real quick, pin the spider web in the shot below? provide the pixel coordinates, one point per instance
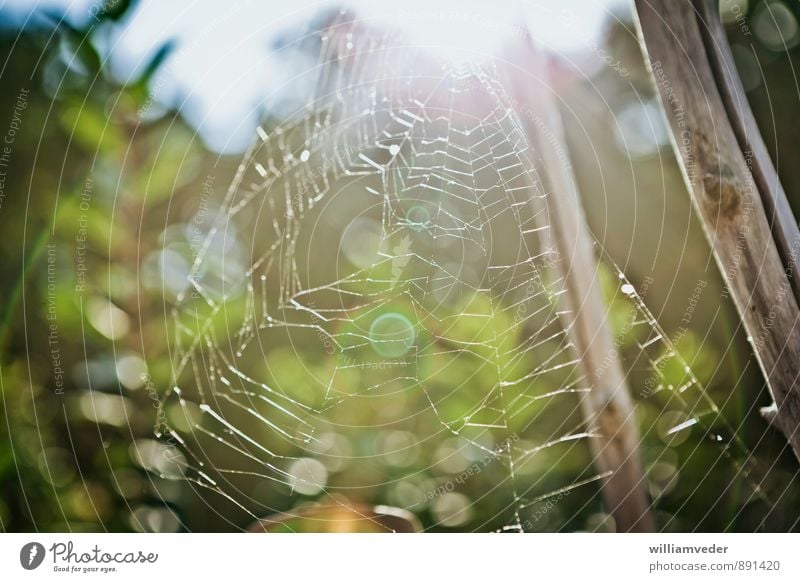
(373, 309)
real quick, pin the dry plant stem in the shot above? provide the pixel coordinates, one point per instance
(734, 187)
(607, 405)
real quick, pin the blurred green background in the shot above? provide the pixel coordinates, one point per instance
(101, 170)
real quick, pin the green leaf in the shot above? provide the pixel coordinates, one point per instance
(77, 50)
(90, 128)
(157, 61)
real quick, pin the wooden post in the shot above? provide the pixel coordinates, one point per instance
(607, 405)
(734, 187)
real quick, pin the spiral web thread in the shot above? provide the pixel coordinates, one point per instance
(407, 188)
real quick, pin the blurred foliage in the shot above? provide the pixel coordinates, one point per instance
(99, 180)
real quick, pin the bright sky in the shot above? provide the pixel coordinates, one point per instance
(223, 66)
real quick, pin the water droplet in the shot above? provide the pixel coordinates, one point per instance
(305, 155)
(394, 149)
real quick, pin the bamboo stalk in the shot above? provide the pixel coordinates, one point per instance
(734, 187)
(607, 405)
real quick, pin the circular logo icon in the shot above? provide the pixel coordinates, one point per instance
(31, 555)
